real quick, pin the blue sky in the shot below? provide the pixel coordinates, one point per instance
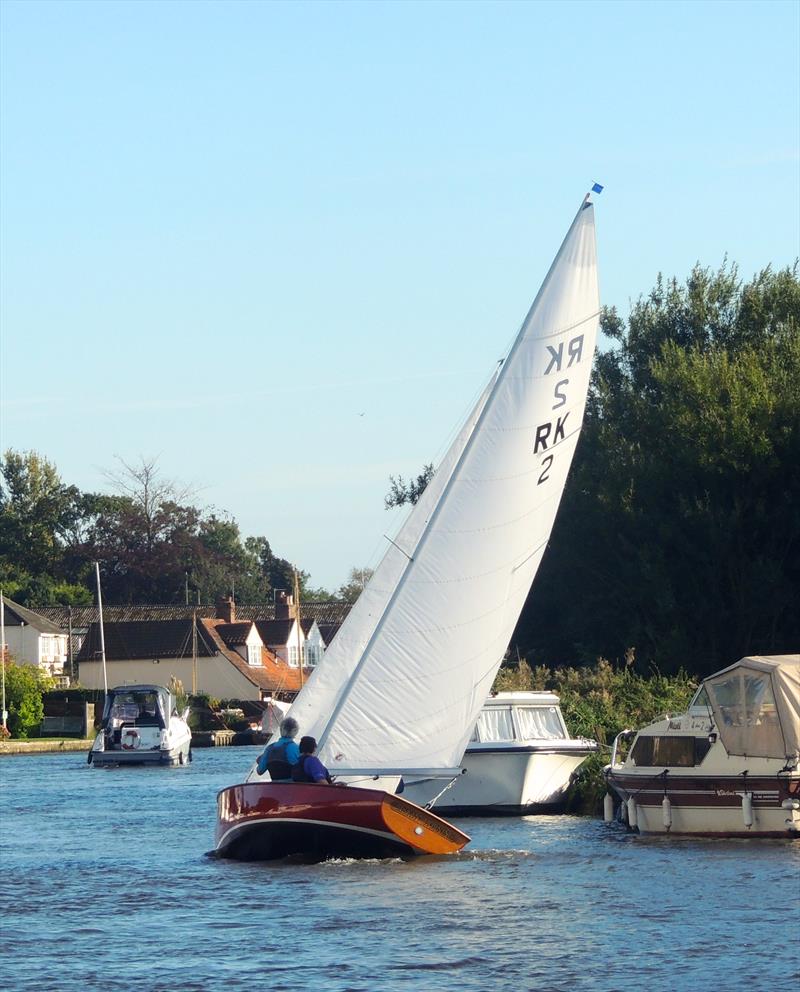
(280, 246)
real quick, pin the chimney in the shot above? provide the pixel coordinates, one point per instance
(284, 606)
(226, 610)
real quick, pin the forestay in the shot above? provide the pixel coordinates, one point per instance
(403, 682)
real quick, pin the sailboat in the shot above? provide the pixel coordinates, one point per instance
(400, 688)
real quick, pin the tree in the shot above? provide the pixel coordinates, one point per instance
(37, 512)
(356, 581)
(678, 532)
(402, 492)
(24, 687)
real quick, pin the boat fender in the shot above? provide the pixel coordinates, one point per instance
(747, 809)
(666, 812)
(608, 808)
(130, 740)
(632, 813)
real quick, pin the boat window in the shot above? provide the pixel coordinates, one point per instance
(538, 723)
(678, 752)
(700, 700)
(748, 718)
(495, 725)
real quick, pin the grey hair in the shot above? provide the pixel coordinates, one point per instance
(289, 727)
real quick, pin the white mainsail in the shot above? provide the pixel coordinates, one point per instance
(402, 684)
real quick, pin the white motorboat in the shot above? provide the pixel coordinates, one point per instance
(141, 726)
(520, 760)
(729, 766)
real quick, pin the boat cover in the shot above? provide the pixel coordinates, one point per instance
(756, 705)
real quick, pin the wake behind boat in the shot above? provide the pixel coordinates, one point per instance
(400, 688)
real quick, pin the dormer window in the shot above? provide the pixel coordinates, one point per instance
(254, 654)
(293, 656)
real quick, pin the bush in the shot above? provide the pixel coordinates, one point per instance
(24, 688)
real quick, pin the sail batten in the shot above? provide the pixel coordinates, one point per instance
(403, 682)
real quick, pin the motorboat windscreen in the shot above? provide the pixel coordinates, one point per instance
(520, 723)
(139, 705)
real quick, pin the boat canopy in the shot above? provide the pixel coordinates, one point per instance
(137, 704)
(756, 705)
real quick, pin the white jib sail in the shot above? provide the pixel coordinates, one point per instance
(403, 682)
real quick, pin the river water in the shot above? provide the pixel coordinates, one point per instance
(106, 885)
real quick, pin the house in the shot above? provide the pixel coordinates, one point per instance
(219, 655)
(290, 639)
(32, 639)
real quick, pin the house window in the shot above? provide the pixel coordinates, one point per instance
(312, 655)
(253, 654)
(292, 656)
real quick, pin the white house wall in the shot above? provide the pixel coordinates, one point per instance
(216, 676)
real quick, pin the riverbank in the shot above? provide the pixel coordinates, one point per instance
(45, 745)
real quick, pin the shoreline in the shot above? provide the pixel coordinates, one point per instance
(49, 745)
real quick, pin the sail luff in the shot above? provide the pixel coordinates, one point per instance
(453, 474)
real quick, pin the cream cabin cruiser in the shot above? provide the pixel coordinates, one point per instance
(728, 766)
(520, 759)
(141, 726)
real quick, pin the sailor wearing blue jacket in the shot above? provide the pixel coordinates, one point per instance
(279, 756)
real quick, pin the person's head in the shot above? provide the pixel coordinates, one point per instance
(307, 745)
(289, 727)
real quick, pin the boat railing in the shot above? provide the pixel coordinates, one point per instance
(621, 736)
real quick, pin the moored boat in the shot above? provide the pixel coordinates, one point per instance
(400, 688)
(729, 766)
(141, 726)
(520, 760)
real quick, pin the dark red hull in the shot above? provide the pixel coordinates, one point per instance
(262, 821)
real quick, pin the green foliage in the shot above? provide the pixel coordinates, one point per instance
(24, 687)
(352, 589)
(598, 702)
(678, 531)
(402, 492)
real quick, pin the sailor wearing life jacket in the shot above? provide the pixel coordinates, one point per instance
(281, 755)
(309, 768)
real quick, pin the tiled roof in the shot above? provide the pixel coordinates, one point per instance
(129, 640)
(83, 616)
(16, 615)
(235, 633)
(145, 639)
(274, 676)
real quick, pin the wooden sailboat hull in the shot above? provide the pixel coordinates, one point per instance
(263, 821)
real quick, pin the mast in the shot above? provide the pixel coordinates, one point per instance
(3, 657)
(436, 510)
(296, 592)
(194, 652)
(102, 630)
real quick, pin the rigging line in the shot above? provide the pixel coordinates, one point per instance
(439, 795)
(466, 449)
